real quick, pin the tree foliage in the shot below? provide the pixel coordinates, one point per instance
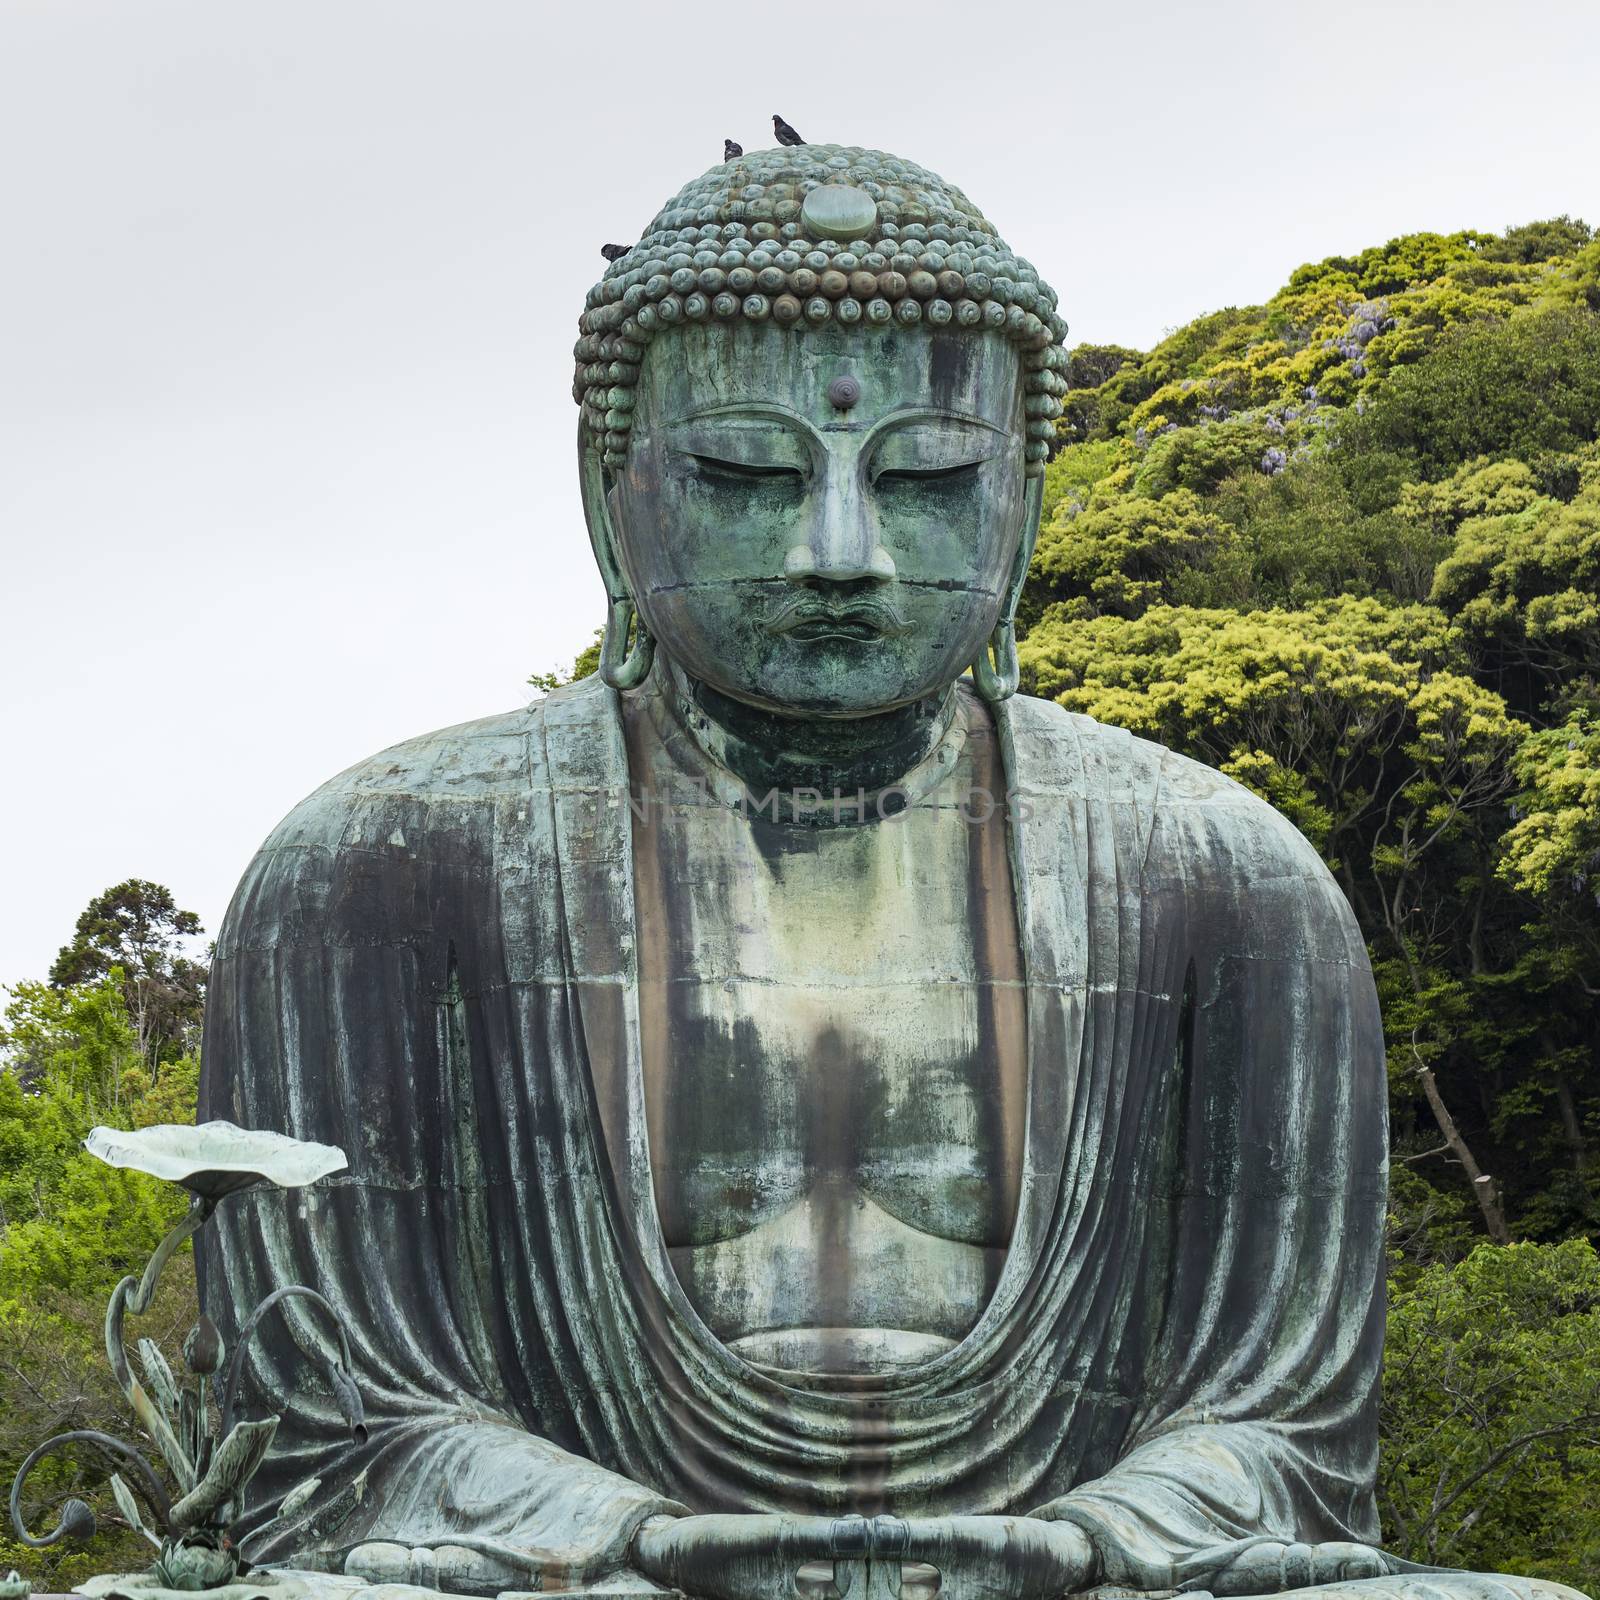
(135, 928)
(1346, 547)
(73, 1054)
(587, 660)
(1491, 1413)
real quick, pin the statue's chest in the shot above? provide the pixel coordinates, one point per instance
(847, 1033)
(833, 1053)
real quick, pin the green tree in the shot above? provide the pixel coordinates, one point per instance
(1523, 587)
(70, 1227)
(1540, 241)
(71, 1060)
(135, 927)
(587, 661)
(1343, 546)
(1491, 1414)
(1125, 552)
(1522, 387)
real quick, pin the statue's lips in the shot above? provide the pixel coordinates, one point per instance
(808, 618)
(835, 628)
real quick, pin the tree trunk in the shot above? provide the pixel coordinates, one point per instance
(1483, 1186)
(1572, 1125)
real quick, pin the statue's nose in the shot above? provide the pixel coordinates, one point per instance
(842, 546)
(805, 563)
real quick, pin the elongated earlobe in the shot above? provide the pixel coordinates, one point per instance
(625, 666)
(627, 650)
(997, 671)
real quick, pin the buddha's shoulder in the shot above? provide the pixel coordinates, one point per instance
(1184, 804)
(431, 781)
(1067, 750)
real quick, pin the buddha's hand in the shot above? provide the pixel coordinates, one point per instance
(731, 1557)
(1268, 1566)
(998, 1558)
(758, 1557)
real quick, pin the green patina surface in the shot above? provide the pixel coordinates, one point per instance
(761, 1155)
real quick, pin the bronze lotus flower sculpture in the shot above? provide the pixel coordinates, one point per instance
(210, 1464)
(213, 1159)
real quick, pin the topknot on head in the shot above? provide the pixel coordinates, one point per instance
(752, 238)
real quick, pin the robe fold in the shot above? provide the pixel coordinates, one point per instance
(429, 955)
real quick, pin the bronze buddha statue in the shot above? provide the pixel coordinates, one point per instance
(805, 1103)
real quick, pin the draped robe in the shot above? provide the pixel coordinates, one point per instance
(1183, 1348)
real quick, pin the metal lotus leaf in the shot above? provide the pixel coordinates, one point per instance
(151, 1585)
(216, 1158)
(129, 1507)
(232, 1467)
(298, 1496)
(159, 1376)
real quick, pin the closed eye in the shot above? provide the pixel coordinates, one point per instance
(742, 471)
(893, 475)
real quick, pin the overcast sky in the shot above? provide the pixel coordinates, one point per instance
(288, 292)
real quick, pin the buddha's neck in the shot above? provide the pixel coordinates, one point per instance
(831, 756)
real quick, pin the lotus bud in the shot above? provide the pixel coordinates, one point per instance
(203, 1349)
(197, 1562)
(77, 1520)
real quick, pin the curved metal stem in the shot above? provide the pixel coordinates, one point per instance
(247, 1332)
(135, 1295)
(150, 1485)
(200, 1208)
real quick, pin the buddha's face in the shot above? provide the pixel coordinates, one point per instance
(815, 546)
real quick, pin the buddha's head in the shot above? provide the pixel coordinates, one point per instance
(817, 397)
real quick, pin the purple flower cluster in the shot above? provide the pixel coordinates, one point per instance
(1367, 321)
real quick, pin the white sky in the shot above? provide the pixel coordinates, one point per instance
(288, 292)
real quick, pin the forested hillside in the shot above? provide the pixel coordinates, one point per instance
(1346, 547)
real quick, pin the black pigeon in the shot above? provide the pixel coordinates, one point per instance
(612, 251)
(730, 149)
(786, 134)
